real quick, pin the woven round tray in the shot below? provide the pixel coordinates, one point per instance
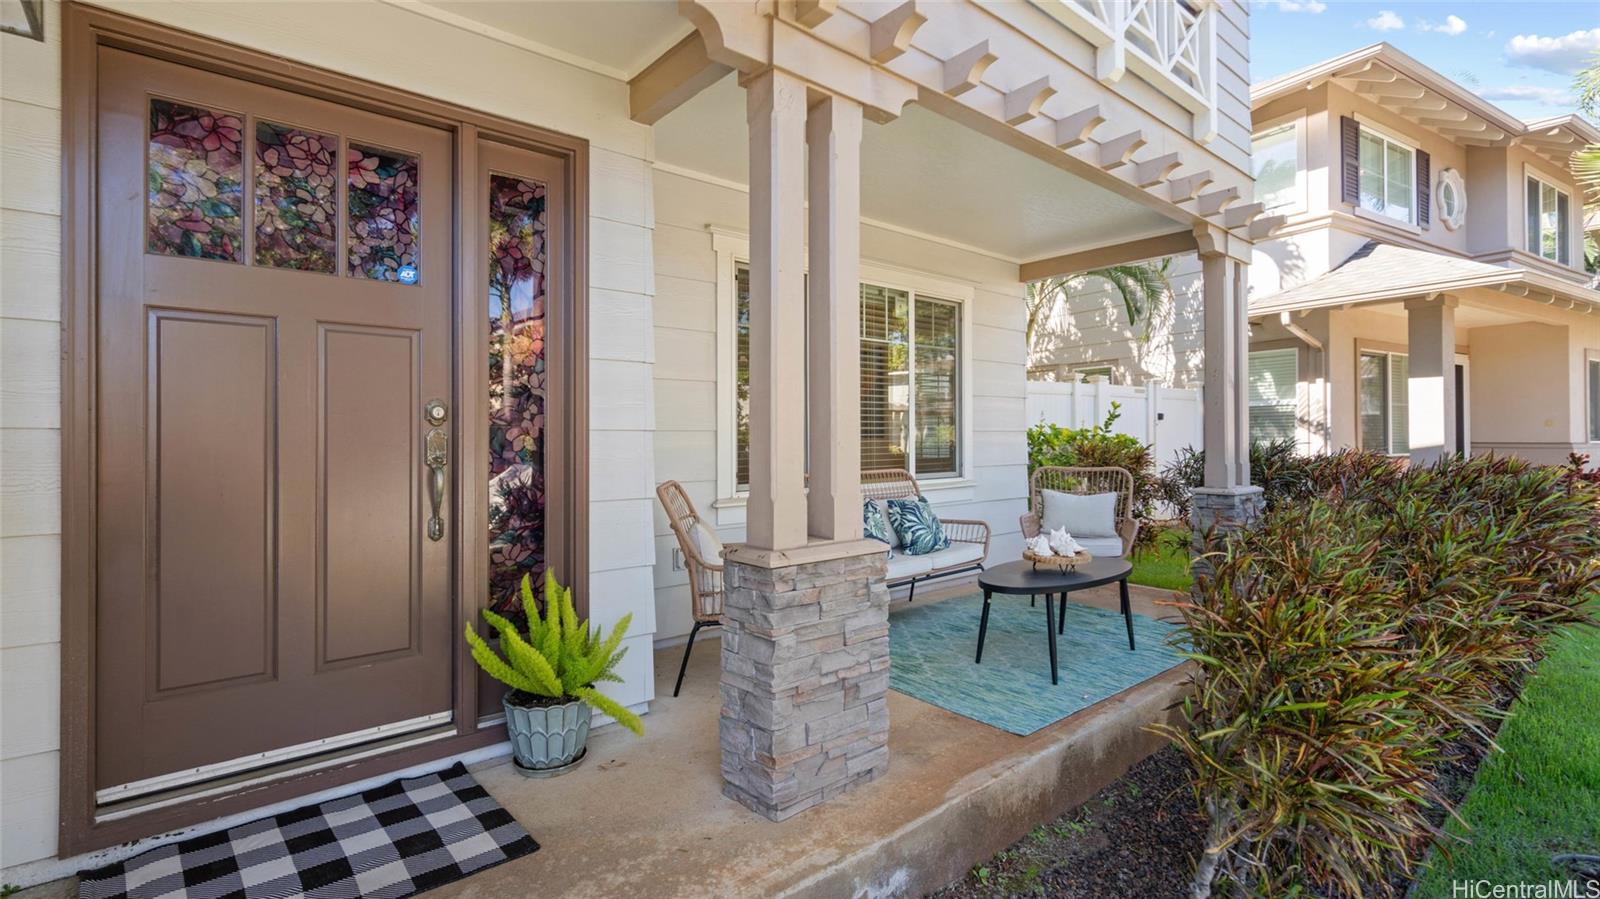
(1059, 563)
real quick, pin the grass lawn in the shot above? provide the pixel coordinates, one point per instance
(1165, 564)
(1542, 794)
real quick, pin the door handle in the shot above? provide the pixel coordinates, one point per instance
(436, 455)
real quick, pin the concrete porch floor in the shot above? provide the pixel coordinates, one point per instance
(646, 817)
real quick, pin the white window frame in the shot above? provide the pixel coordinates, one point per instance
(1297, 203)
(1388, 394)
(1293, 401)
(732, 249)
(1411, 149)
(1092, 369)
(1591, 363)
(1562, 246)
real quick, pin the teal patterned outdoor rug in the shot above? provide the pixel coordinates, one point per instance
(931, 647)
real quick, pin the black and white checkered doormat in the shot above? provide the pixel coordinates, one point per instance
(398, 839)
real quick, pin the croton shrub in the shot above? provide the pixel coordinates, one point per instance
(1353, 636)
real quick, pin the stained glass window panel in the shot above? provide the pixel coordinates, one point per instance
(295, 202)
(385, 228)
(517, 398)
(195, 186)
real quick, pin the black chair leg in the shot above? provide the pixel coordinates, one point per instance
(687, 648)
(913, 594)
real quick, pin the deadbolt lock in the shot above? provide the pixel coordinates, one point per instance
(435, 412)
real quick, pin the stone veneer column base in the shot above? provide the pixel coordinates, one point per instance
(805, 673)
(1219, 511)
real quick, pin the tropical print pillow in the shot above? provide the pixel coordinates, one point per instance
(919, 529)
(873, 524)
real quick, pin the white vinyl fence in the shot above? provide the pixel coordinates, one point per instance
(1169, 417)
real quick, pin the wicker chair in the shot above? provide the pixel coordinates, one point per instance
(896, 483)
(1084, 482)
(705, 575)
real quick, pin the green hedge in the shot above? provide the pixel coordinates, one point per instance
(1348, 638)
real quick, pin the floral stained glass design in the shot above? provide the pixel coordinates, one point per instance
(385, 229)
(295, 204)
(195, 182)
(517, 260)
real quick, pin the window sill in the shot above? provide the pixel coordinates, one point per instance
(934, 485)
(1381, 219)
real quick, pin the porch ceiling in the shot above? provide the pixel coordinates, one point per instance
(618, 37)
(928, 174)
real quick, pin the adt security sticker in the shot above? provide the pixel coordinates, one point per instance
(408, 274)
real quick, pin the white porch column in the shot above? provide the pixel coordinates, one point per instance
(776, 112)
(1227, 501)
(1431, 381)
(1227, 359)
(805, 638)
(833, 138)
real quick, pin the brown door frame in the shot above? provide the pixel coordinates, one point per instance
(84, 31)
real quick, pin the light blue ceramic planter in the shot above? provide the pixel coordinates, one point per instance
(550, 738)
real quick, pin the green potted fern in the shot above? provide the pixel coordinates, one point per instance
(552, 674)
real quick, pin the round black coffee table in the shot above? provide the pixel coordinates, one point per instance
(1021, 579)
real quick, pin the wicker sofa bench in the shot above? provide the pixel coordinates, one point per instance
(969, 540)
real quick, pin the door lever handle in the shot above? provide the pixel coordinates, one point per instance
(436, 455)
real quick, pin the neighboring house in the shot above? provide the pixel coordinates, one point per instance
(324, 323)
(1427, 292)
(1086, 334)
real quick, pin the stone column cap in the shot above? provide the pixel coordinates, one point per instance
(815, 551)
(1243, 490)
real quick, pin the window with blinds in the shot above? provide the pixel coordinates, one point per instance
(910, 381)
(1274, 395)
(1383, 413)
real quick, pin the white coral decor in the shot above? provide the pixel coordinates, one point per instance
(1062, 544)
(1039, 546)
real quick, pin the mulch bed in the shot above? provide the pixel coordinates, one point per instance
(1139, 836)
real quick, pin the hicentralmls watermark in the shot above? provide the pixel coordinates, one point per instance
(1587, 888)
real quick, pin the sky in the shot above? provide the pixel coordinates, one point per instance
(1520, 56)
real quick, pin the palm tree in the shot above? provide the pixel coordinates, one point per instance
(1141, 285)
(1586, 162)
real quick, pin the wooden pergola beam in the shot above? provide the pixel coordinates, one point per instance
(1117, 254)
(670, 81)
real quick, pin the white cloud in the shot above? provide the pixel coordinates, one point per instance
(1452, 25)
(1385, 20)
(1545, 96)
(1310, 6)
(1563, 55)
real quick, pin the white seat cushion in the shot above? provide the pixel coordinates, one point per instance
(1101, 547)
(1094, 515)
(903, 566)
(955, 554)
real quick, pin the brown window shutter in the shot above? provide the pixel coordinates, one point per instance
(1424, 178)
(1350, 160)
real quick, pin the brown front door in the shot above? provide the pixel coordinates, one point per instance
(274, 314)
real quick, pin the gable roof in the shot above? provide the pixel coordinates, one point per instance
(1403, 85)
(1380, 272)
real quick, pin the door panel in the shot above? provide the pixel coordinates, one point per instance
(367, 447)
(213, 449)
(261, 506)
